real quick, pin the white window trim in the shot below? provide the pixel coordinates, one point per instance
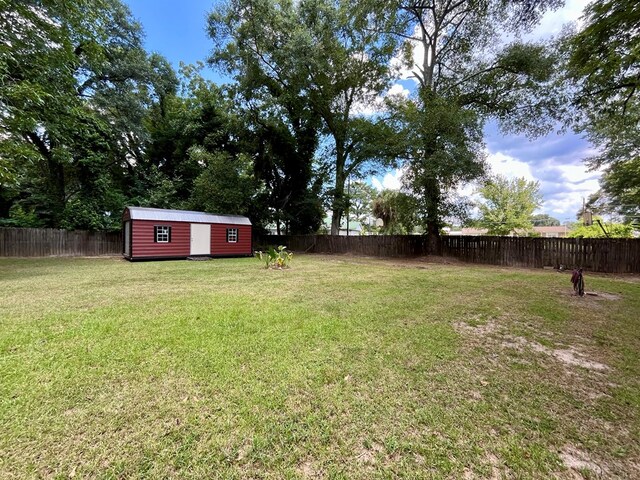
(232, 233)
(162, 231)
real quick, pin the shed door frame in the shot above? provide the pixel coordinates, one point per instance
(127, 238)
(200, 239)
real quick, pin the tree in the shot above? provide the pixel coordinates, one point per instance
(466, 75)
(361, 196)
(74, 88)
(508, 205)
(604, 63)
(226, 185)
(398, 211)
(314, 58)
(284, 162)
(544, 220)
(613, 230)
(200, 119)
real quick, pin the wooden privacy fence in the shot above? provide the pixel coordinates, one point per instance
(371, 245)
(44, 242)
(612, 255)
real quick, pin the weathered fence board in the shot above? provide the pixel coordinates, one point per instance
(612, 255)
(44, 242)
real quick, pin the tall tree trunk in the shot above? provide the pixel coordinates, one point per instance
(432, 200)
(337, 207)
(338, 203)
(55, 181)
(56, 192)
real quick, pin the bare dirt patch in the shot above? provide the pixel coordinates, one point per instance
(603, 296)
(569, 356)
(308, 470)
(495, 465)
(578, 461)
(492, 330)
(485, 329)
(405, 262)
(367, 456)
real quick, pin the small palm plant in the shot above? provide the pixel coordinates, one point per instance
(275, 258)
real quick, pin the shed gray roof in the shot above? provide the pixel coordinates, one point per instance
(161, 214)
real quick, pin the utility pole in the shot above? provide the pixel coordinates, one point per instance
(587, 218)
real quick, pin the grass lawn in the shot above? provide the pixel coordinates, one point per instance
(337, 368)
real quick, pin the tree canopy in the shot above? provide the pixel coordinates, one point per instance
(308, 65)
(75, 86)
(604, 62)
(508, 204)
(466, 73)
(544, 220)
(397, 210)
(90, 121)
(600, 229)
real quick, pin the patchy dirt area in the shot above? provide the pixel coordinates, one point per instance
(603, 296)
(493, 332)
(568, 356)
(579, 462)
(308, 470)
(572, 362)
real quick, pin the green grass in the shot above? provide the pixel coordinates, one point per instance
(337, 368)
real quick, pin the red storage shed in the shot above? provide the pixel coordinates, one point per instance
(155, 233)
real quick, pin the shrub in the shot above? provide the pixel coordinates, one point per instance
(275, 258)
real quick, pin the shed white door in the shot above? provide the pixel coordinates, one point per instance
(200, 239)
(127, 239)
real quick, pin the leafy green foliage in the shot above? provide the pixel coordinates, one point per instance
(74, 88)
(309, 63)
(92, 122)
(440, 154)
(361, 197)
(226, 185)
(19, 217)
(544, 220)
(508, 205)
(463, 80)
(275, 258)
(398, 211)
(604, 62)
(597, 230)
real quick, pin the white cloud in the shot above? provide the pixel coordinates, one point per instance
(578, 173)
(375, 105)
(398, 64)
(391, 181)
(563, 186)
(509, 167)
(552, 22)
(397, 89)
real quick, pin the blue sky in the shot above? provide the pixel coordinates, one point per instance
(177, 31)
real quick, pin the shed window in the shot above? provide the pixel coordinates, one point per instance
(162, 233)
(232, 235)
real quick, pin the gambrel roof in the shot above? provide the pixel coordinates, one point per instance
(164, 215)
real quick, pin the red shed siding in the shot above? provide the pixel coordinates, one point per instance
(144, 245)
(219, 245)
